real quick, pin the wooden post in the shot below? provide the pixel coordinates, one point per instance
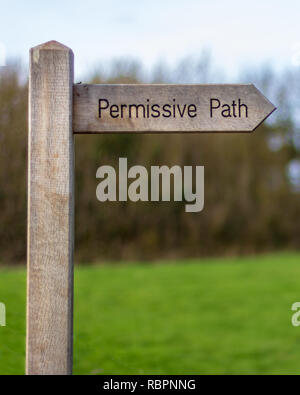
(50, 211)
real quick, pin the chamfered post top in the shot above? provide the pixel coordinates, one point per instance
(52, 45)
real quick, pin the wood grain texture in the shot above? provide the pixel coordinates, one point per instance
(50, 211)
(86, 108)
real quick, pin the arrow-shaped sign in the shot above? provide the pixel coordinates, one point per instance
(168, 108)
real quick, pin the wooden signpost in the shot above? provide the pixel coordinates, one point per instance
(58, 109)
(168, 108)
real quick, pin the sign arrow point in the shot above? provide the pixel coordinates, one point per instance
(265, 107)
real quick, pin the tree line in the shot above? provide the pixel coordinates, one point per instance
(252, 181)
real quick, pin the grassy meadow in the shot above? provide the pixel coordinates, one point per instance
(214, 316)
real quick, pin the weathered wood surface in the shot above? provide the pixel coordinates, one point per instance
(50, 211)
(198, 108)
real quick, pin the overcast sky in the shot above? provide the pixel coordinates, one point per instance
(238, 33)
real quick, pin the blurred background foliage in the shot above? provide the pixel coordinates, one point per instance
(252, 181)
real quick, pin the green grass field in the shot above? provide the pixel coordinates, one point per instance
(220, 316)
